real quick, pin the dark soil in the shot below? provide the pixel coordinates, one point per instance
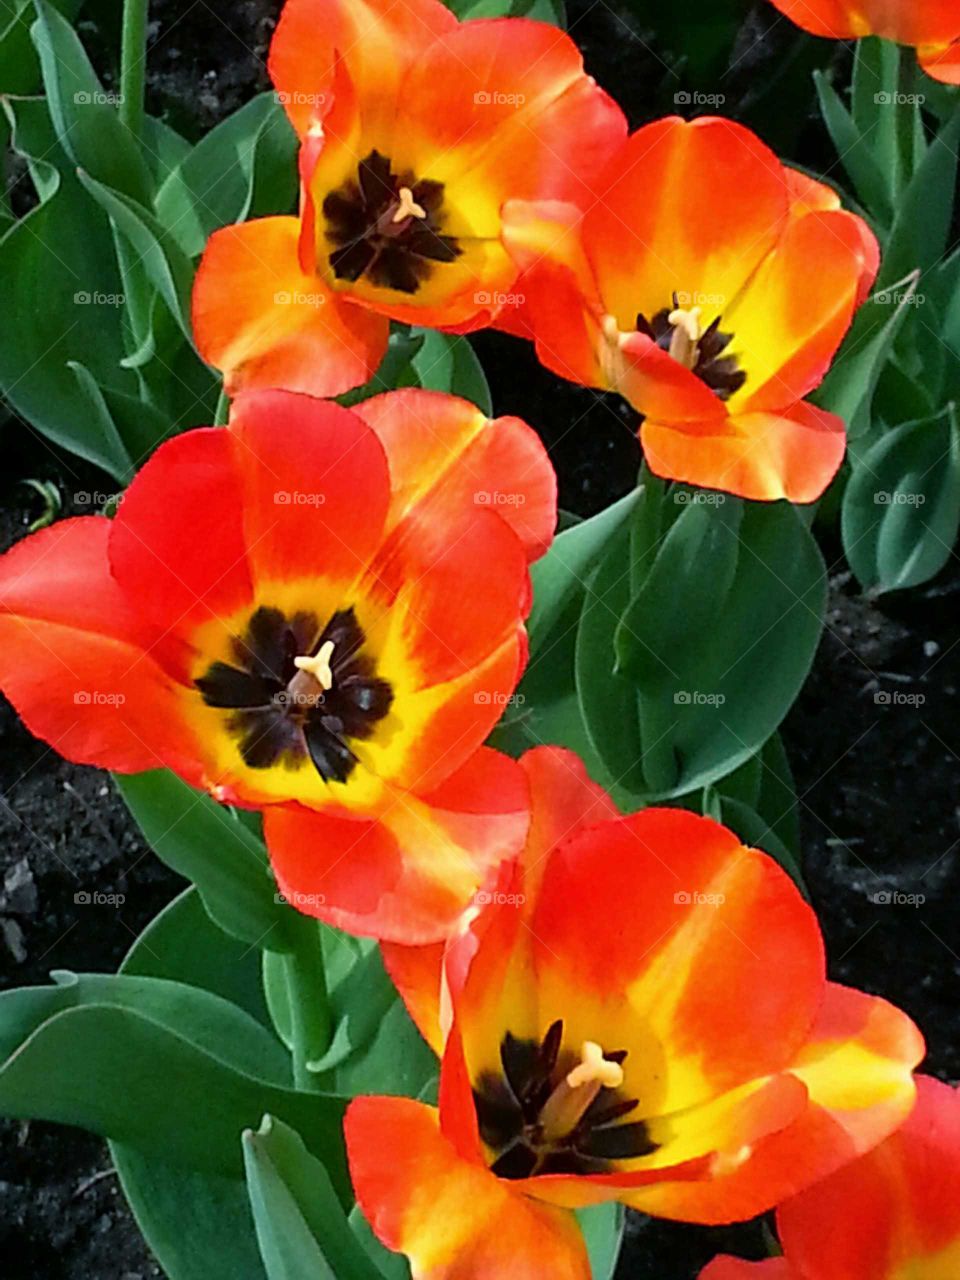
(878, 777)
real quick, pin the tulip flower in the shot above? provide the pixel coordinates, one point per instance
(688, 288)
(316, 612)
(932, 27)
(894, 1214)
(637, 1011)
(415, 129)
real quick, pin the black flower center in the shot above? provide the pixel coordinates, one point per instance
(387, 227)
(514, 1113)
(281, 713)
(704, 357)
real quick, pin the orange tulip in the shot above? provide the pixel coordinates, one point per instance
(931, 26)
(415, 129)
(891, 1215)
(688, 287)
(636, 1012)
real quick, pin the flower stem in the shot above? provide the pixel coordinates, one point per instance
(133, 64)
(307, 997)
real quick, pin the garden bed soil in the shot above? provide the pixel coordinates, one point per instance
(873, 741)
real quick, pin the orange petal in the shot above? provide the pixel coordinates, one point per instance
(264, 323)
(942, 62)
(82, 668)
(676, 217)
(445, 455)
(407, 873)
(376, 39)
(892, 1213)
(915, 22)
(857, 1067)
(764, 456)
(453, 1219)
(736, 1269)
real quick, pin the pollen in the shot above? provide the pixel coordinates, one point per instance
(318, 665)
(687, 332)
(408, 207)
(594, 1068)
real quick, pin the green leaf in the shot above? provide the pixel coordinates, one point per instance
(164, 263)
(302, 1229)
(446, 362)
(720, 604)
(921, 229)
(901, 509)
(209, 845)
(850, 387)
(19, 67)
(854, 150)
(391, 1266)
(244, 167)
(85, 118)
(58, 276)
(602, 1226)
(126, 1075)
(758, 834)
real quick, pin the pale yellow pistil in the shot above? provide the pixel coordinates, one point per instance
(687, 332)
(572, 1097)
(408, 207)
(314, 675)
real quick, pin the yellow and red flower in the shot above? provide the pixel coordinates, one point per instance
(894, 1214)
(637, 1012)
(415, 129)
(687, 287)
(318, 612)
(932, 27)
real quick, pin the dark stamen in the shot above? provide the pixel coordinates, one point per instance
(721, 373)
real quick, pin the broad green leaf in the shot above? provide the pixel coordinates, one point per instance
(244, 167)
(166, 266)
(758, 834)
(209, 845)
(446, 362)
(924, 213)
(120, 1073)
(717, 607)
(302, 1229)
(777, 801)
(396, 1061)
(84, 116)
(19, 66)
(901, 509)
(602, 1226)
(198, 1226)
(58, 277)
(850, 387)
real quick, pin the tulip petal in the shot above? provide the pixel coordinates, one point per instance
(942, 62)
(453, 1219)
(443, 452)
(894, 1212)
(83, 669)
(301, 464)
(265, 323)
(736, 1269)
(793, 454)
(406, 874)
